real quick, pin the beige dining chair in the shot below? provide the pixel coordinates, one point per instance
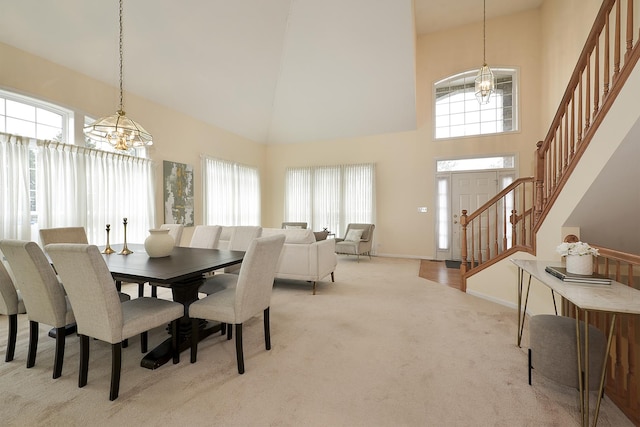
(175, 231)
(205, 236)
(44, 297)
(11, 305)
(71, 235)
(99, 312)
(63, 235)
(241, 238)
(250, 296)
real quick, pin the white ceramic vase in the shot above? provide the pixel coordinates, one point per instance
(580, 264)
(159, 243)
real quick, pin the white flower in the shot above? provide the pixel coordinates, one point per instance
(577, 248)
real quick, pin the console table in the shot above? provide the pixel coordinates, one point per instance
(616, 298)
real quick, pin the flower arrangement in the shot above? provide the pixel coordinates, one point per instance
(576, 248)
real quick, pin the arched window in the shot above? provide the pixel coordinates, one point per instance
(459, 114)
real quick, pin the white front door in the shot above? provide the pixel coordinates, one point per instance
(469, 190)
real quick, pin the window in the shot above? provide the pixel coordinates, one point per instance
(330, 196)
(458, 113)
(70, 185)
(231, 193)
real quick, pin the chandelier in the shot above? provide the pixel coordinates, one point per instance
(485, 82)
(119, 130)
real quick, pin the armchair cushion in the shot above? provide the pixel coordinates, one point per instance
(354, 235)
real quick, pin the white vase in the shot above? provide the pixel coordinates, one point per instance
(580, 264)
(159, 243)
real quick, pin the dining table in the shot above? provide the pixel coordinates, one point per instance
(183, 271)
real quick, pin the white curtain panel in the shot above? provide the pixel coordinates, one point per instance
(231, 193)
(15, 210)
(331, 196)
(80, 186)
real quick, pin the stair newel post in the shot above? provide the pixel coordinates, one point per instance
(539, 182)
(463, 242)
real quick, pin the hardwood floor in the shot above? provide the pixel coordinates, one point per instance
(437, 271)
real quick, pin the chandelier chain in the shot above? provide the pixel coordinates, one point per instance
(484, 32)
(121, 91)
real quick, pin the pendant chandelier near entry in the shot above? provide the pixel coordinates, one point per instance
(485, 81)
(119, 130)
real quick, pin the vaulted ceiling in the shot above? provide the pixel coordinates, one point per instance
(273, 71)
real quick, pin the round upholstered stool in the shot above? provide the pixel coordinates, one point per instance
(552, 350)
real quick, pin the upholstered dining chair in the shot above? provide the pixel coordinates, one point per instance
(63, 235)
(11, 305)
(99, 312)
(44, 297)
(250, 296)
(205, 236)
(175, 231)
(69, 235)
(240, 239)
(357, 240)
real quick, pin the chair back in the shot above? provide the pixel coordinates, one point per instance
(289, 224)
(9, 300)
(242, 237)
(205, 236)
(257, 272)
(90, 288)
(41, 291)
(175, 231)
(63, 235)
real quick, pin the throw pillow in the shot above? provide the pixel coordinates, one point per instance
(321, 235)
(354, 235)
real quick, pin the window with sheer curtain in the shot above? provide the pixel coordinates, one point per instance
(231, 193)
(330, 197)
(84, 186)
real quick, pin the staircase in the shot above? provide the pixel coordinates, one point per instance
(508, 223)
(522, 214)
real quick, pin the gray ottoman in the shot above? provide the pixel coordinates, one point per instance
(552, 350)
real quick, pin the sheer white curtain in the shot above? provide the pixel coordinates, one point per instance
(231, 193)
(15, 210)
(79, 186)
(119, 186)
(331, 196)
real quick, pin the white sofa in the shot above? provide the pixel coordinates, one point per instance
(302, 257)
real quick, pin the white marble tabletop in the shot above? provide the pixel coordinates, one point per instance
(614, 298)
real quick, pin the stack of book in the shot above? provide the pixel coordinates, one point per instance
(562, 274)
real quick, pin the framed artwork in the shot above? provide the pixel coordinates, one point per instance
(177, 181)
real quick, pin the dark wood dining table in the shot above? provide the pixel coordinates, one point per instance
(183, 271)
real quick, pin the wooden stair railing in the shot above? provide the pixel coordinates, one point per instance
(606, 61)
(597, 79)
(502, 225)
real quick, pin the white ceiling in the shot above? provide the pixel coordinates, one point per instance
(273, 71)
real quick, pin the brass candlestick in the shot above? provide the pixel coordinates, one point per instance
(125, 250)
(107, 249)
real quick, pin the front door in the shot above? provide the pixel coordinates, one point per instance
(469, 190)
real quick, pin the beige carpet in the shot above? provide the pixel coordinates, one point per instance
(380, 347)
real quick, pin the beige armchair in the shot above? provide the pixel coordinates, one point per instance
(357, 240)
